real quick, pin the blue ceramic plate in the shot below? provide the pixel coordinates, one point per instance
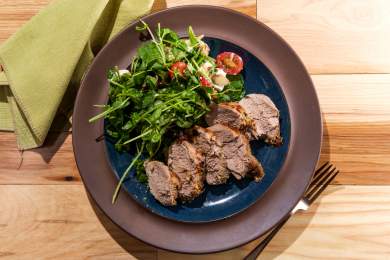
(219, 202)
(135, 211)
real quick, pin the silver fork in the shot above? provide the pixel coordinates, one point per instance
(321, 179)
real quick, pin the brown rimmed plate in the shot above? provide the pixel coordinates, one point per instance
(281, 196)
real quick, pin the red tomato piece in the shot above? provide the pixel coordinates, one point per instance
(179, 67)
(204, 82)
(230, 62)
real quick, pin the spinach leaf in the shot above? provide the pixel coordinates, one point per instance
(234, 91)
(149, 54)
(151, 82)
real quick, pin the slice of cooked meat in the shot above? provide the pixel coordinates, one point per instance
(214, 162)
(237, 153)
(164, 184)
(230, 114)
(186, 162)
(203, 139)
(265, 116)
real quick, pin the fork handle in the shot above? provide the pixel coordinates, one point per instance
(260, 247)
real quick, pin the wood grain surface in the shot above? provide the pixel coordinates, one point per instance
(333, 36)
(46, 214)
(348, 222)
(15, 13)
(355, 134)
(245, 6)
(58, 222)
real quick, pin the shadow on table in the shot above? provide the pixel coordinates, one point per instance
(134, 247)
(144, 251)
(60, 128)
(295, 233)
(53, 142)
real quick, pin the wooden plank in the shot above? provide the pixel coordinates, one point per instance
(333, 36)
(15, 13)
(354, 137)
(51, 164)
(356, 111)
(349, 222)
(360, 152)
(57, 222)
(356, 98)
(245, 6)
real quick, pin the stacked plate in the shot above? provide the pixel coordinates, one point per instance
(228, 215)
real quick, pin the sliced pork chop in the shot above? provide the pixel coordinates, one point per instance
(230, 114)
(186, 162)
(265, 116)
(237, 153)
(214, 163)
(163, 184)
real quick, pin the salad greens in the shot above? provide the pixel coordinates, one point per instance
(167, 88)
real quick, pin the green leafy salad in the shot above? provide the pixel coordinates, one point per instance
(167, 88)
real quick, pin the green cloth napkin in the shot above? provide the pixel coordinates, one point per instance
(45, 60)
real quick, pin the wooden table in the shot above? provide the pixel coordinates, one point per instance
(345, 44)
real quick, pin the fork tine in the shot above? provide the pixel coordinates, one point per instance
(320, 169)
(320, 174)
(318, 178)
(320, 181)
(317, 173)
(322, 187)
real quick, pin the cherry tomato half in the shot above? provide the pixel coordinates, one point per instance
(230, 62)
(179, 67)
(204, 82)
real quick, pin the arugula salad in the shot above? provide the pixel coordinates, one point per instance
(167, 88)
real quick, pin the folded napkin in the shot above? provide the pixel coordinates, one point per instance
(45, 60)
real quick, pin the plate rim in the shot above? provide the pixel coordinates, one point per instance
(76, 141)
